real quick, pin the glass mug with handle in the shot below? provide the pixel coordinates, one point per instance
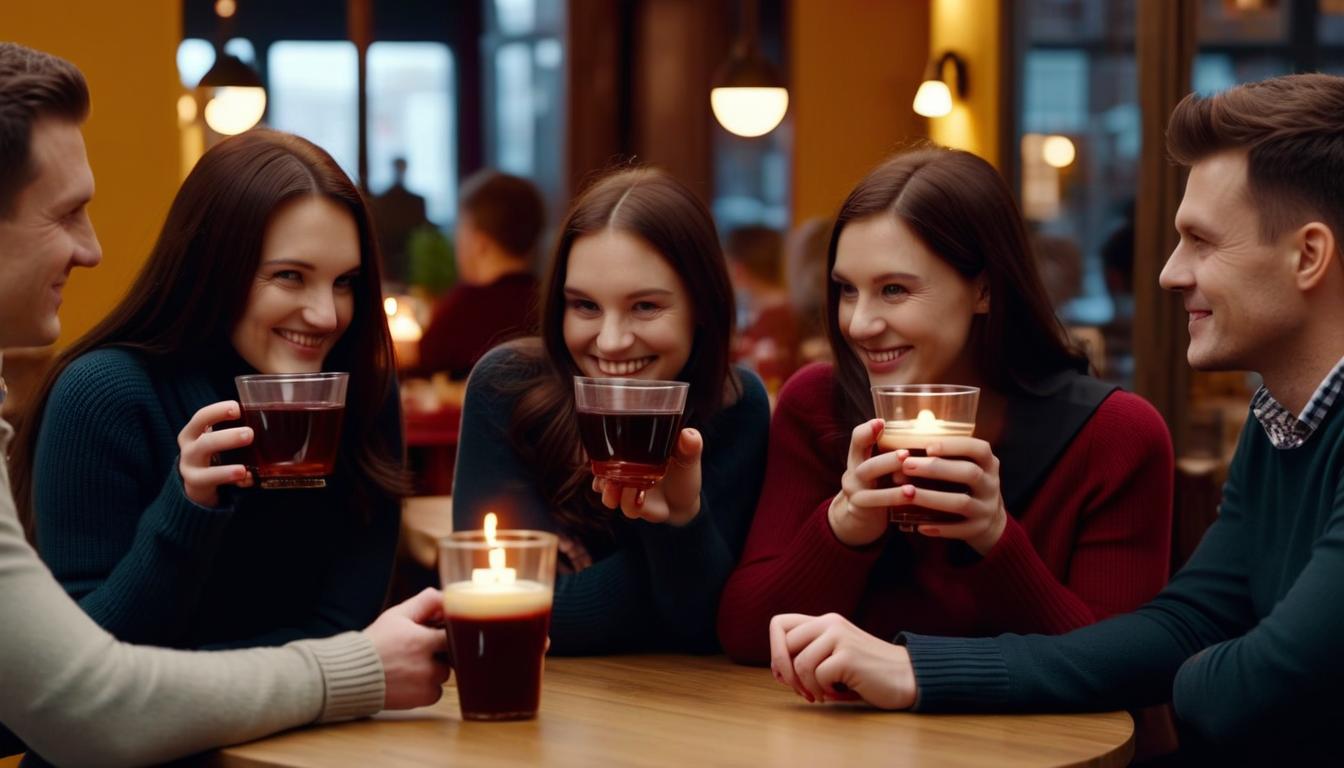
(296, 421)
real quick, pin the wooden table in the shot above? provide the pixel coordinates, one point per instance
(691, 711)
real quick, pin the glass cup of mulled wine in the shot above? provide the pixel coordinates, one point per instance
(497, 594)
(629, 426)
(296, 423)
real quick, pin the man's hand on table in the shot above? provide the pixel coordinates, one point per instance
(827, 658)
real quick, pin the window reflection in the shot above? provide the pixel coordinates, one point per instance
(314, 93)
(412, 117)
(1079, 92)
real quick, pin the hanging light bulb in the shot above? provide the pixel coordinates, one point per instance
(748, 97)
(237, 98)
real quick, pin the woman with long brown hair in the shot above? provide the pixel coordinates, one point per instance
(638, 289)
(1065, 516)
(266, 263)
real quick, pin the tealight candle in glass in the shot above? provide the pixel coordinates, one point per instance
(497, 591)
(915, 416)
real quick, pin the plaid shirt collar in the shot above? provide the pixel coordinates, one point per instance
(1288, 431)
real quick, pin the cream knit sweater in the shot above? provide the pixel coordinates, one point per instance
(77, 696)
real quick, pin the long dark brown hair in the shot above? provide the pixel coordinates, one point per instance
(194, 288)
(649, 204)
(962, 210)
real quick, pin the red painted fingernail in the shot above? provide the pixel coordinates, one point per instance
(909, 491)
(928, 531)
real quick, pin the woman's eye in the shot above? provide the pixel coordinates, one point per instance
(346, 282)
(288, 274)
(645, 307)
(848, 291)
(582, 305)
(892, 290)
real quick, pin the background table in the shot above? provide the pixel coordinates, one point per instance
(691, 711)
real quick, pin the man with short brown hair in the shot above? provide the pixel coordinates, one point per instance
(1245, 640)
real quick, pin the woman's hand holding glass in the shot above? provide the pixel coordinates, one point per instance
(827, 658)
(198, 444)
(966, 461)
(675, 499)
(859, 512)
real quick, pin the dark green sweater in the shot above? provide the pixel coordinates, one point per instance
(152, 567)
(657, 586)
(1245, 641)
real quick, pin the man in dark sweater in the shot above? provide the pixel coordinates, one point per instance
(1244, 640)
(499, 222)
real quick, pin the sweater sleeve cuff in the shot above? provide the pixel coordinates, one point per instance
(184, 522)
(352, 675)
(956, 674)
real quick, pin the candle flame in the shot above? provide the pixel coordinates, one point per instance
(390, 306)
(497, 559)
(925, 419)
(491, 524)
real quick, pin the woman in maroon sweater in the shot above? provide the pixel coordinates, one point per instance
(932, 282)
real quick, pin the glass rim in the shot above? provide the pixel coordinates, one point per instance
(620, 383)
(284, 377)
(924, 389)
(513, 538)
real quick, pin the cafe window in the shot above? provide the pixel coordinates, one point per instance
(524, 80)
(313, 92)
(412, 116)
(752, 176)
(1077, 133)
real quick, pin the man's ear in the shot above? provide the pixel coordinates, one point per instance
(1315, 251)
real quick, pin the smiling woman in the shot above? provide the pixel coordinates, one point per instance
(1056, 513)
(638, 289)
(266, 264)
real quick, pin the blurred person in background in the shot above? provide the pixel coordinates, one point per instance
(397, 212)
(499, 224)
(805, 272)
(767, 338)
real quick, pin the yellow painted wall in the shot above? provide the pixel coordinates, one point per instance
(128, 53)
(855, 67)
(971, 29)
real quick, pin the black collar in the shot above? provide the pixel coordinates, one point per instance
(1039, 427)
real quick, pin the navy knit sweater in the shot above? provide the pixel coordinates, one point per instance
(150, 566)
(658, 586)
(1244, 641)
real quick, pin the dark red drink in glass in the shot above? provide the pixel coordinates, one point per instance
(296, 422)
(629, 448)
(497, 641)
(629, 426)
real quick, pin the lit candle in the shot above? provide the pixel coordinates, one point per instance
(497, 573)
(927, 423)
(913, 434)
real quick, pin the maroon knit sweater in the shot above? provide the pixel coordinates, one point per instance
(1091, 541)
